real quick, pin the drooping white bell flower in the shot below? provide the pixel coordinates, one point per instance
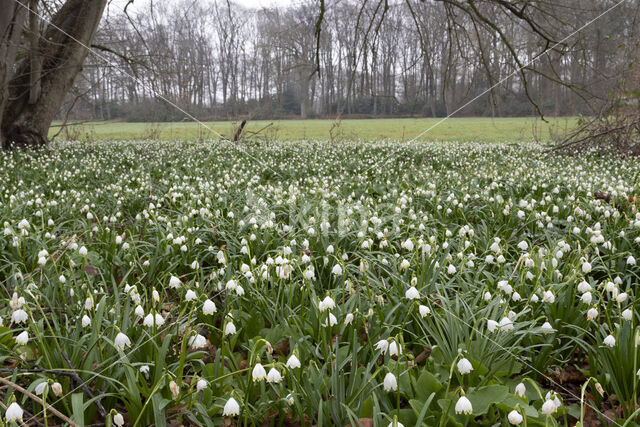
(293, 362)
(258, 373)
(231, 408)
(22, 338)
(14, 413)
(464, 366)
(121, 341)
(515, 417)
(390, 383)
(463, 406)
(208, 307)
(412, 293)
(274, 376)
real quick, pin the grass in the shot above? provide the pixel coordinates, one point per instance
(454, 129)
(436, 284)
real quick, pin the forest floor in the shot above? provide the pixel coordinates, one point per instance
(402, 129)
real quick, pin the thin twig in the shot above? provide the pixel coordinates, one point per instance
(32, 396)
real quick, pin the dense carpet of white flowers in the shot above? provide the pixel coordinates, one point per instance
(316, 284)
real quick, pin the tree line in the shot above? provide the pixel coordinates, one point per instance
(218, 60)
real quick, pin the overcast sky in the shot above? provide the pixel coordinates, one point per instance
(247, 3)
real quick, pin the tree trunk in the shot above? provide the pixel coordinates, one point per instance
(12, 20)
(26, 118)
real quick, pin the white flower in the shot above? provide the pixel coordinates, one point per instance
(390, 383)
(332, 320)
(463, 406)
(175, 390)
(19, 316)
(258, 373)
(326, 304)
(408, 245)
(549, 407)
(209, 307)
(382, 345)
(229, 329)
(546, 327)
(464, 366)
(395, 424)
(190, 295)
(197, 341)
(412, 293)
(394, 349)
(631, 260)
(40, 388)
(86, 321)
(57, 389)
(548, 297)
(22, 338)
(14, 412)
(174, 282)
(122, 341)
(523, 245)
(521, 390)
(404, 264)
(610, 341)
(451, 269)
(201, 384)
(627, 314)
(592, 313)
(139, 311)
(492, 325)
(586, 297)
(150, 319)
(622, 297)
(586, 267)
(514, 417)
(337, 270)
(293, 362)
(506, 324)
(348, 319)
(273, 376)
(424, 310)
(231, 408)
(83, 251)
(144, 369)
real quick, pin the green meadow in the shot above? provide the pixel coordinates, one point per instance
(405, 129)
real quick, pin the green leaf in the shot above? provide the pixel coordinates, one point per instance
(159, 416)
(482, 397)
(427, 384)
(78, 408)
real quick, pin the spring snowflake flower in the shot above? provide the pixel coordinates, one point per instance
(57, 389)
(631, 260)
(197, 341)
(586, 267)
(258, 373)
(390, 383)
(121, 341)
(151, 319)
(229, 329)
(592, 313)
(336, 270)
(19, 316)
(412, 293)
(14, 413)
(382, 345)
(547, 328)
(464, 366)
(521, 390)
(293, 362)
(627, 314)
(610, 341)
(231, 408)
(208, 307)
(22, 338)
(424, 310)
(549, 407)
(83, 251)
(175, 390)
(274, 376)
(506, 324)
(523, 245)
(144, 369)
(463, 406)
(451, 269)
(139, 311)
(326, 304)
(515, 417)
(86, 321)
(348, 319)
(492, 325)
(548, 297)
(586, 298)
(201, 384)
(408, 245)
(174, 282)
(40, 388)
(190, 295)
(622, 297)
(332, 320)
